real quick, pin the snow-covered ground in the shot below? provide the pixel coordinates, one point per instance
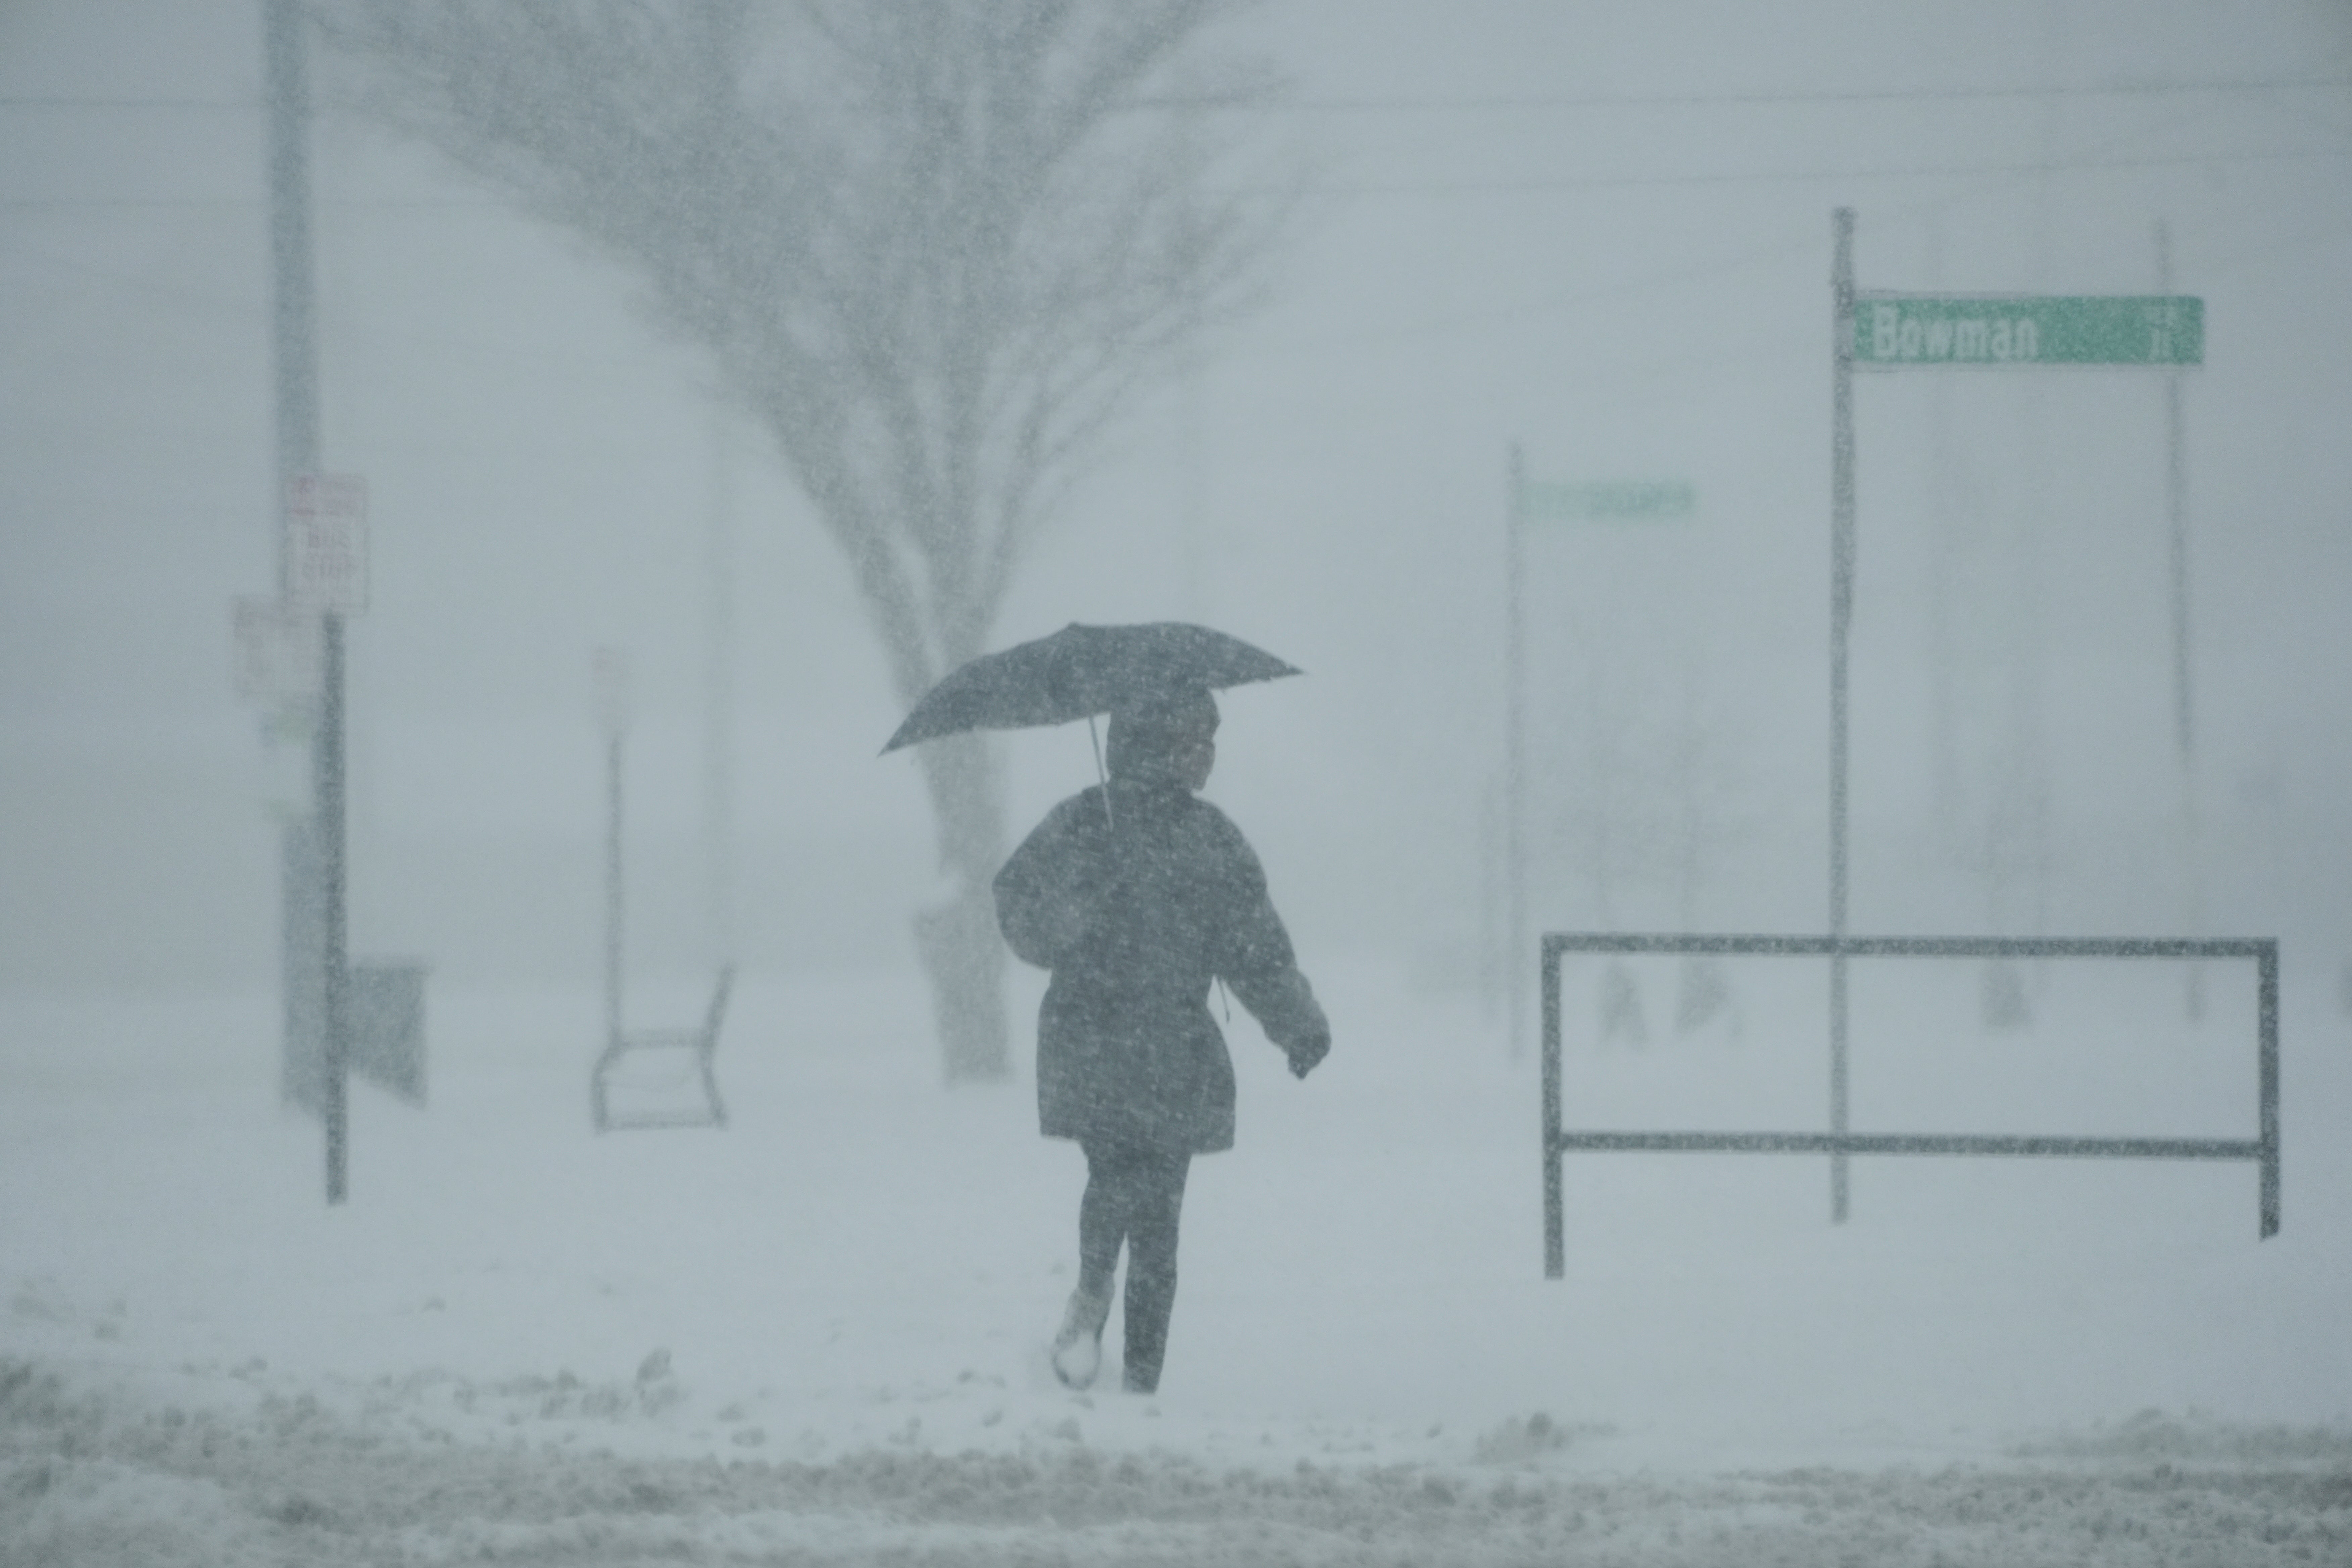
(817, 1336)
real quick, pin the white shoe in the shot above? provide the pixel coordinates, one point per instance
(1077, 1348)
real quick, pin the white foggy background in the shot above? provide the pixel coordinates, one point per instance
(1602, 231)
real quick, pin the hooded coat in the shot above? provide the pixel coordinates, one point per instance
(1136, 903)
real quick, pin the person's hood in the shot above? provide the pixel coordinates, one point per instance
(1147, 739)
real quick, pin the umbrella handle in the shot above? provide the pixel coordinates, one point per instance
(1108, 821)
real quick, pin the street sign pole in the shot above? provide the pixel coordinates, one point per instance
(2183, 712)
(1841, 553)
(325, 555)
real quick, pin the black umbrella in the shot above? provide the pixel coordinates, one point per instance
(1081, 671)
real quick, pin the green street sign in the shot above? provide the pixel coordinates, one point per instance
(1627, 499)
(1916, 331)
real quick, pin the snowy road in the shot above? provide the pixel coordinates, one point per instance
(90, 1478)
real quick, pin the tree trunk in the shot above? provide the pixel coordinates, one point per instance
(962, 956)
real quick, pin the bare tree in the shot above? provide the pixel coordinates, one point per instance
(933, 246)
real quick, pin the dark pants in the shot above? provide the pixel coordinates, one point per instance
(1135, 1195)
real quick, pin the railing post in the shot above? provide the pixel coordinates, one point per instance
(2267, 963)
(1555, 1222)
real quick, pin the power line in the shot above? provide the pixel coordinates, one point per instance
(1500, 103)
(247, 204)
(1556, 302)
(1906, 171)
(1513, 103)
(1465, 187)
(237, 105)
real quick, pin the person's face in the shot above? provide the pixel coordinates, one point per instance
(1196, 758)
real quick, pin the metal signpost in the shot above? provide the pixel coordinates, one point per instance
(2184, 727)
(325, 559)
(1841, 544)
(290, 654)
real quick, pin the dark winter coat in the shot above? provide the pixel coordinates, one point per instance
(1135, 920)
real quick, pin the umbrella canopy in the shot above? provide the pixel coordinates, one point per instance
(1080, 672)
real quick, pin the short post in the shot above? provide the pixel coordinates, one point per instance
(2267, 1006)
(1555, 1216)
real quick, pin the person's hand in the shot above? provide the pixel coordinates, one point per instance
(1307, 1052)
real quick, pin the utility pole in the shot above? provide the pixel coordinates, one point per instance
(294, 295)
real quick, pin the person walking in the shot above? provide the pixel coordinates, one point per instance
(1137, 895)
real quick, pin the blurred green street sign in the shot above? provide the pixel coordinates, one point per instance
(1909, 331)
(1618, 500)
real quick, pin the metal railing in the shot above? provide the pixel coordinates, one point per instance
(1839, 1142)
